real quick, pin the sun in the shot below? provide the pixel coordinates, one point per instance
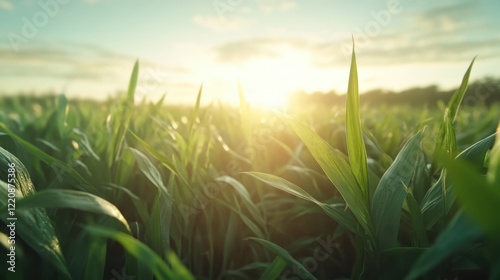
(265, 93)
(267, 82)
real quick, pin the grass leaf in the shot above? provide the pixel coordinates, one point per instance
(459, 234)
(283, 254)
(390, 194)
(71, 199)
(355, 144)
(143, 254)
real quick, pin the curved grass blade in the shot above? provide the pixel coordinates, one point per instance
(243, 193)
(74, 200)
(459, 234)
(274, 270)
(432, 203)
(150, 171)
(446, 136)
(60, 168)
(33, 225)
(493, 175)
(336, 212)
(390, 194)
(479, 199)
(144, 254)
(338, 171)
(283, 254)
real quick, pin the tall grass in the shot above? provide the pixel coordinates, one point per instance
(159, 192)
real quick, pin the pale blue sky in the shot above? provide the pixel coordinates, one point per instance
(87, 48)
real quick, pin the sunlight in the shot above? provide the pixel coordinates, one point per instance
(267, 83)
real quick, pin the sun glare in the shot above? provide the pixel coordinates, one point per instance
(268, 82)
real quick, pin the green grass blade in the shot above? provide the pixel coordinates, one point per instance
(195, 112)
(274, 270)
(355, 143)
(283, 254)
(459, 234)
(139, 251)
(456, 99)
(164, 161)
(418, 235)
(159, 225)
(432, 203)
(62, 169)
(34, 227)
(179, 271)
(150, 171)
(120, 119)
(479, 199)
(446, 136)
(390, 194)
(62, 106)
(243, 193)
(337, 213)
(493, 175)
(96, 259)
(73, 200)
(338, 172)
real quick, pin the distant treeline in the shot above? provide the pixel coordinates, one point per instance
(485, 91)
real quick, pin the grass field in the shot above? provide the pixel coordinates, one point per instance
(118, 190)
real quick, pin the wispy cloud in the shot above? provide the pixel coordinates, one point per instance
(383, 50)
(271, 6)
(72, 61)
(6, 5)
(221, 24)
(241, 51)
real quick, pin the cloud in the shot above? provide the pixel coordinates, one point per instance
(241, 51)
(447, 17)
(455, 10)
(6, 5)
(393, 48)
(271, 6)
(220, 24)
(74, 61)
(444, 33)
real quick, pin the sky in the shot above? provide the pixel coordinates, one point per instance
(87, 48)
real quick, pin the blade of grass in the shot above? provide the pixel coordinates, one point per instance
(390, 194)
(337, 169)
(120, 119)
(433, 200)
(355, 144)
(34, 227)
(445, 140)
(493, 175)
(142, 253)
(337, 213)
(74, 200)
(284, 255)
(459, 234)
(274, 270)
(479, 199)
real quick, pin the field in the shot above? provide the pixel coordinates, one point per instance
(124, 190)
